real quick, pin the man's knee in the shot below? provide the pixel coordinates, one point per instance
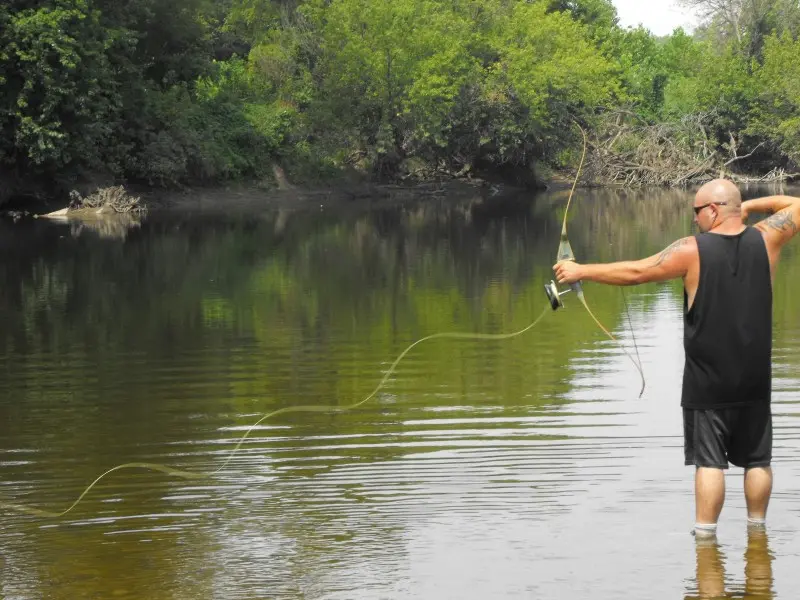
(758, 475)
(764, 468)
(713, 472)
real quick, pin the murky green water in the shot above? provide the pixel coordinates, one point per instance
(525, 468)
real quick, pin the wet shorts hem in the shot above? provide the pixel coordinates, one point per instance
(725, 467)
(757, 465)
(692, 463)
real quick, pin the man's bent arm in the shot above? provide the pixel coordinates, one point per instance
(769, 204)
(783, 225)
(672, 263)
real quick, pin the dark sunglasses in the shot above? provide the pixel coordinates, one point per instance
(697, 209)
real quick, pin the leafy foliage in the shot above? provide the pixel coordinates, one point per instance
(203, 91)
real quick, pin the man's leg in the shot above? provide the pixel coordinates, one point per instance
(704, 447)
(709, 489)
(753, 451)
(757, 492)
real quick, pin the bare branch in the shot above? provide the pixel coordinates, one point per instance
(735, 158)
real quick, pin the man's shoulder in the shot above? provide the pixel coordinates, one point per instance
(688, 245)
(679, 257)
(759, 236)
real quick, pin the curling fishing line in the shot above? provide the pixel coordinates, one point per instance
(565, 253)
(281, 411)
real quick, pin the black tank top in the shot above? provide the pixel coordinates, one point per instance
(728, 331)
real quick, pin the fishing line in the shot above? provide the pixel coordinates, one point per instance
(564, 253)
(281, 411)
(633, 336)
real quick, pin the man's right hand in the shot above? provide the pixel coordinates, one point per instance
(567, 271)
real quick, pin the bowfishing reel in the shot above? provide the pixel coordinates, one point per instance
(551, 289)
(554, 296)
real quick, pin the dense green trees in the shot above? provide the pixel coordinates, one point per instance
(197, 91)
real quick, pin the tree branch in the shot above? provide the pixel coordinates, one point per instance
(735, 158)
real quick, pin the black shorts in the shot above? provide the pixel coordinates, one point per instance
(740, 435)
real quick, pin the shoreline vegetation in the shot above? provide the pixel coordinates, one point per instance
(347, 96)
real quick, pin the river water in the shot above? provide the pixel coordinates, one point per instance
(521, 468)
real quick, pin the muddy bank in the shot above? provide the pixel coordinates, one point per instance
(249, 197)
(237, 198)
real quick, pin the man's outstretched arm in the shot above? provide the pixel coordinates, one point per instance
(672, 263)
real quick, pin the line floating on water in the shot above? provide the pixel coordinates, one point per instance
(281, 411)
(341, 409)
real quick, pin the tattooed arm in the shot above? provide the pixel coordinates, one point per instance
(768, 204)
(783, 224)
(672, 263)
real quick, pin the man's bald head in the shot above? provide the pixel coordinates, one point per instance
(720, 191)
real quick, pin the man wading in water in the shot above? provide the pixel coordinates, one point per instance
(727, 273)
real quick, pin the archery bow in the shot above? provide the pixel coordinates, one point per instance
(565, 253)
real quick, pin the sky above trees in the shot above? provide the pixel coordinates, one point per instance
(659, 16)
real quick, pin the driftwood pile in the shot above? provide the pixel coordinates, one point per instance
(631, 152)
(111, 199)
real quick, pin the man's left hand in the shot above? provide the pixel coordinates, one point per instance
(567, 271)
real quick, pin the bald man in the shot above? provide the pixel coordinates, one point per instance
(727, 271)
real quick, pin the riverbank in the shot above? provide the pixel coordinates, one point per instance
(252, 196)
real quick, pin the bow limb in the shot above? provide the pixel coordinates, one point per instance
(565, 253)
